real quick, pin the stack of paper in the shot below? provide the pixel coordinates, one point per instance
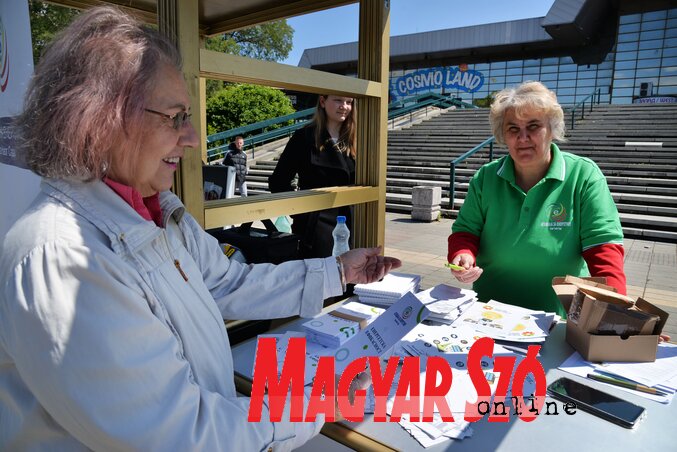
(446, 303)
(335, 328)
(507, 322)
(390, 289)
(653, 380)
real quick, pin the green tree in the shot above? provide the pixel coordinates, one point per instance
(238, 104)
(271, 41)
(485, 102)
(46, 21)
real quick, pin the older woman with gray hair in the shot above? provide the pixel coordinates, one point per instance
(536, 213)
(113, 297)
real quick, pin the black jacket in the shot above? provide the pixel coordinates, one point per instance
(238, 159)
(316, 169)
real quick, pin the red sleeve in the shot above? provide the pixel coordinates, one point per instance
(462, 242)
(607, 260)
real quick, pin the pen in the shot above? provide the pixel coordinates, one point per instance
(454, 266)
(625, 384)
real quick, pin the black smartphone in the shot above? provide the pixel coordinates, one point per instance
(606, 406)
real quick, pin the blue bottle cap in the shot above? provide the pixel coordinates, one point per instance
(340, 219)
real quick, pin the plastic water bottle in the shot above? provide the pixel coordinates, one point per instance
(341, 236)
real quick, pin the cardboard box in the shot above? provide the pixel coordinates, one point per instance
(565, 287)
(595, 308)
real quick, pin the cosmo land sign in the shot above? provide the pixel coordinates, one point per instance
(458, 77)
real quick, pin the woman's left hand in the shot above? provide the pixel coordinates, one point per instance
(366, 265)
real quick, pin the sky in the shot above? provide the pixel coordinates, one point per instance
(339, 25)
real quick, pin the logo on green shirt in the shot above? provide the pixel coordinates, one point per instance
(557, 216)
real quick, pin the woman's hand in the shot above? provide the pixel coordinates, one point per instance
(366, 265)
(471, 272)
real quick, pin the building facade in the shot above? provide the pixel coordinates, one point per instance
(639, 64)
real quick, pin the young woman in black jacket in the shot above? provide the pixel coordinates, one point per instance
(323, 155)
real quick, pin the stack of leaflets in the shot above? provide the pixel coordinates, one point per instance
(335, 328)
(446, 303)
(508, 323)
(390, 289)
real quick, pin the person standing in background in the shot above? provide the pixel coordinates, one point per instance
(323, 155)
(535, 213)
(237, 158)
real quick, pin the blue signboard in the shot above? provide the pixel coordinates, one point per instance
(437, 78)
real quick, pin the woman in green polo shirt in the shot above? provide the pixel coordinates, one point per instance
(536, 213)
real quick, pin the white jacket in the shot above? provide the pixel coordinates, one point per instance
(105, 345)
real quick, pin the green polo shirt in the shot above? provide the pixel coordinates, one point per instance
(527, 238)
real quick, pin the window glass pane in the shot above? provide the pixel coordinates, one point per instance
(630, 18)
(669, 61)
(604, 73)
(666, 90)
(625, 64)
(512, 79)
(568, 68)
(624, 83)
(566, 83)
(514, 71)
(547, 69)
(512, 64)
(624, 56)
(654, 15)
(551, 76)
(565, 91)
(550, 61)
(498, 80)
(622, 100)
(482, 67)
(629, 28)
(624, 74)
(566, 60)
(587, 74)
(671, 23)
(653, 25)
(606, 65)
(666, 71)
(668, 80)
(531, 70)
(653, 53)
(567, 75)
(604, 81)
(653, 34)
(627, 37)
(605, 98)
(672, 42)
(671, 33)
(627, 46)
(623, 92)
(586, 83)
(648, 78)
(565, 100)
(550, 85)
(672, 12)
(531, 63)
(655, 44)
(498, 65)
(648, 63)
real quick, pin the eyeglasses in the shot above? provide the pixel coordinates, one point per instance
(178, 119)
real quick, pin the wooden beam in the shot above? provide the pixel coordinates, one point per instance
(240, 210)
(234, 68)
(289, 9)
(372, 117)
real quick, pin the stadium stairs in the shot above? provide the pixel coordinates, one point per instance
(634, 145)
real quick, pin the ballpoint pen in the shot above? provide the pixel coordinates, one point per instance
(626, 384)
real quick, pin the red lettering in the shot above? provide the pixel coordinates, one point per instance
(483, 347)
(530, 365)
(410, 382)
(324, 383)
(265, 375)
(352, 412)
(435, 395)
(382, 384)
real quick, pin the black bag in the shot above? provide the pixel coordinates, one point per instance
(261, 245)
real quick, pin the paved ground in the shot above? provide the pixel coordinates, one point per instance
(650, 267)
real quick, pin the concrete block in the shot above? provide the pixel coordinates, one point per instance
(426, 196)
(426, 214)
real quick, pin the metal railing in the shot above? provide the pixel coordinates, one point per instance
(461, 158)
(395, 109)
(597, 93)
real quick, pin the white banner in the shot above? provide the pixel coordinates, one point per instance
(18, 186)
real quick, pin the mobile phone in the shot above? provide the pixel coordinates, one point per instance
(606, 406)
